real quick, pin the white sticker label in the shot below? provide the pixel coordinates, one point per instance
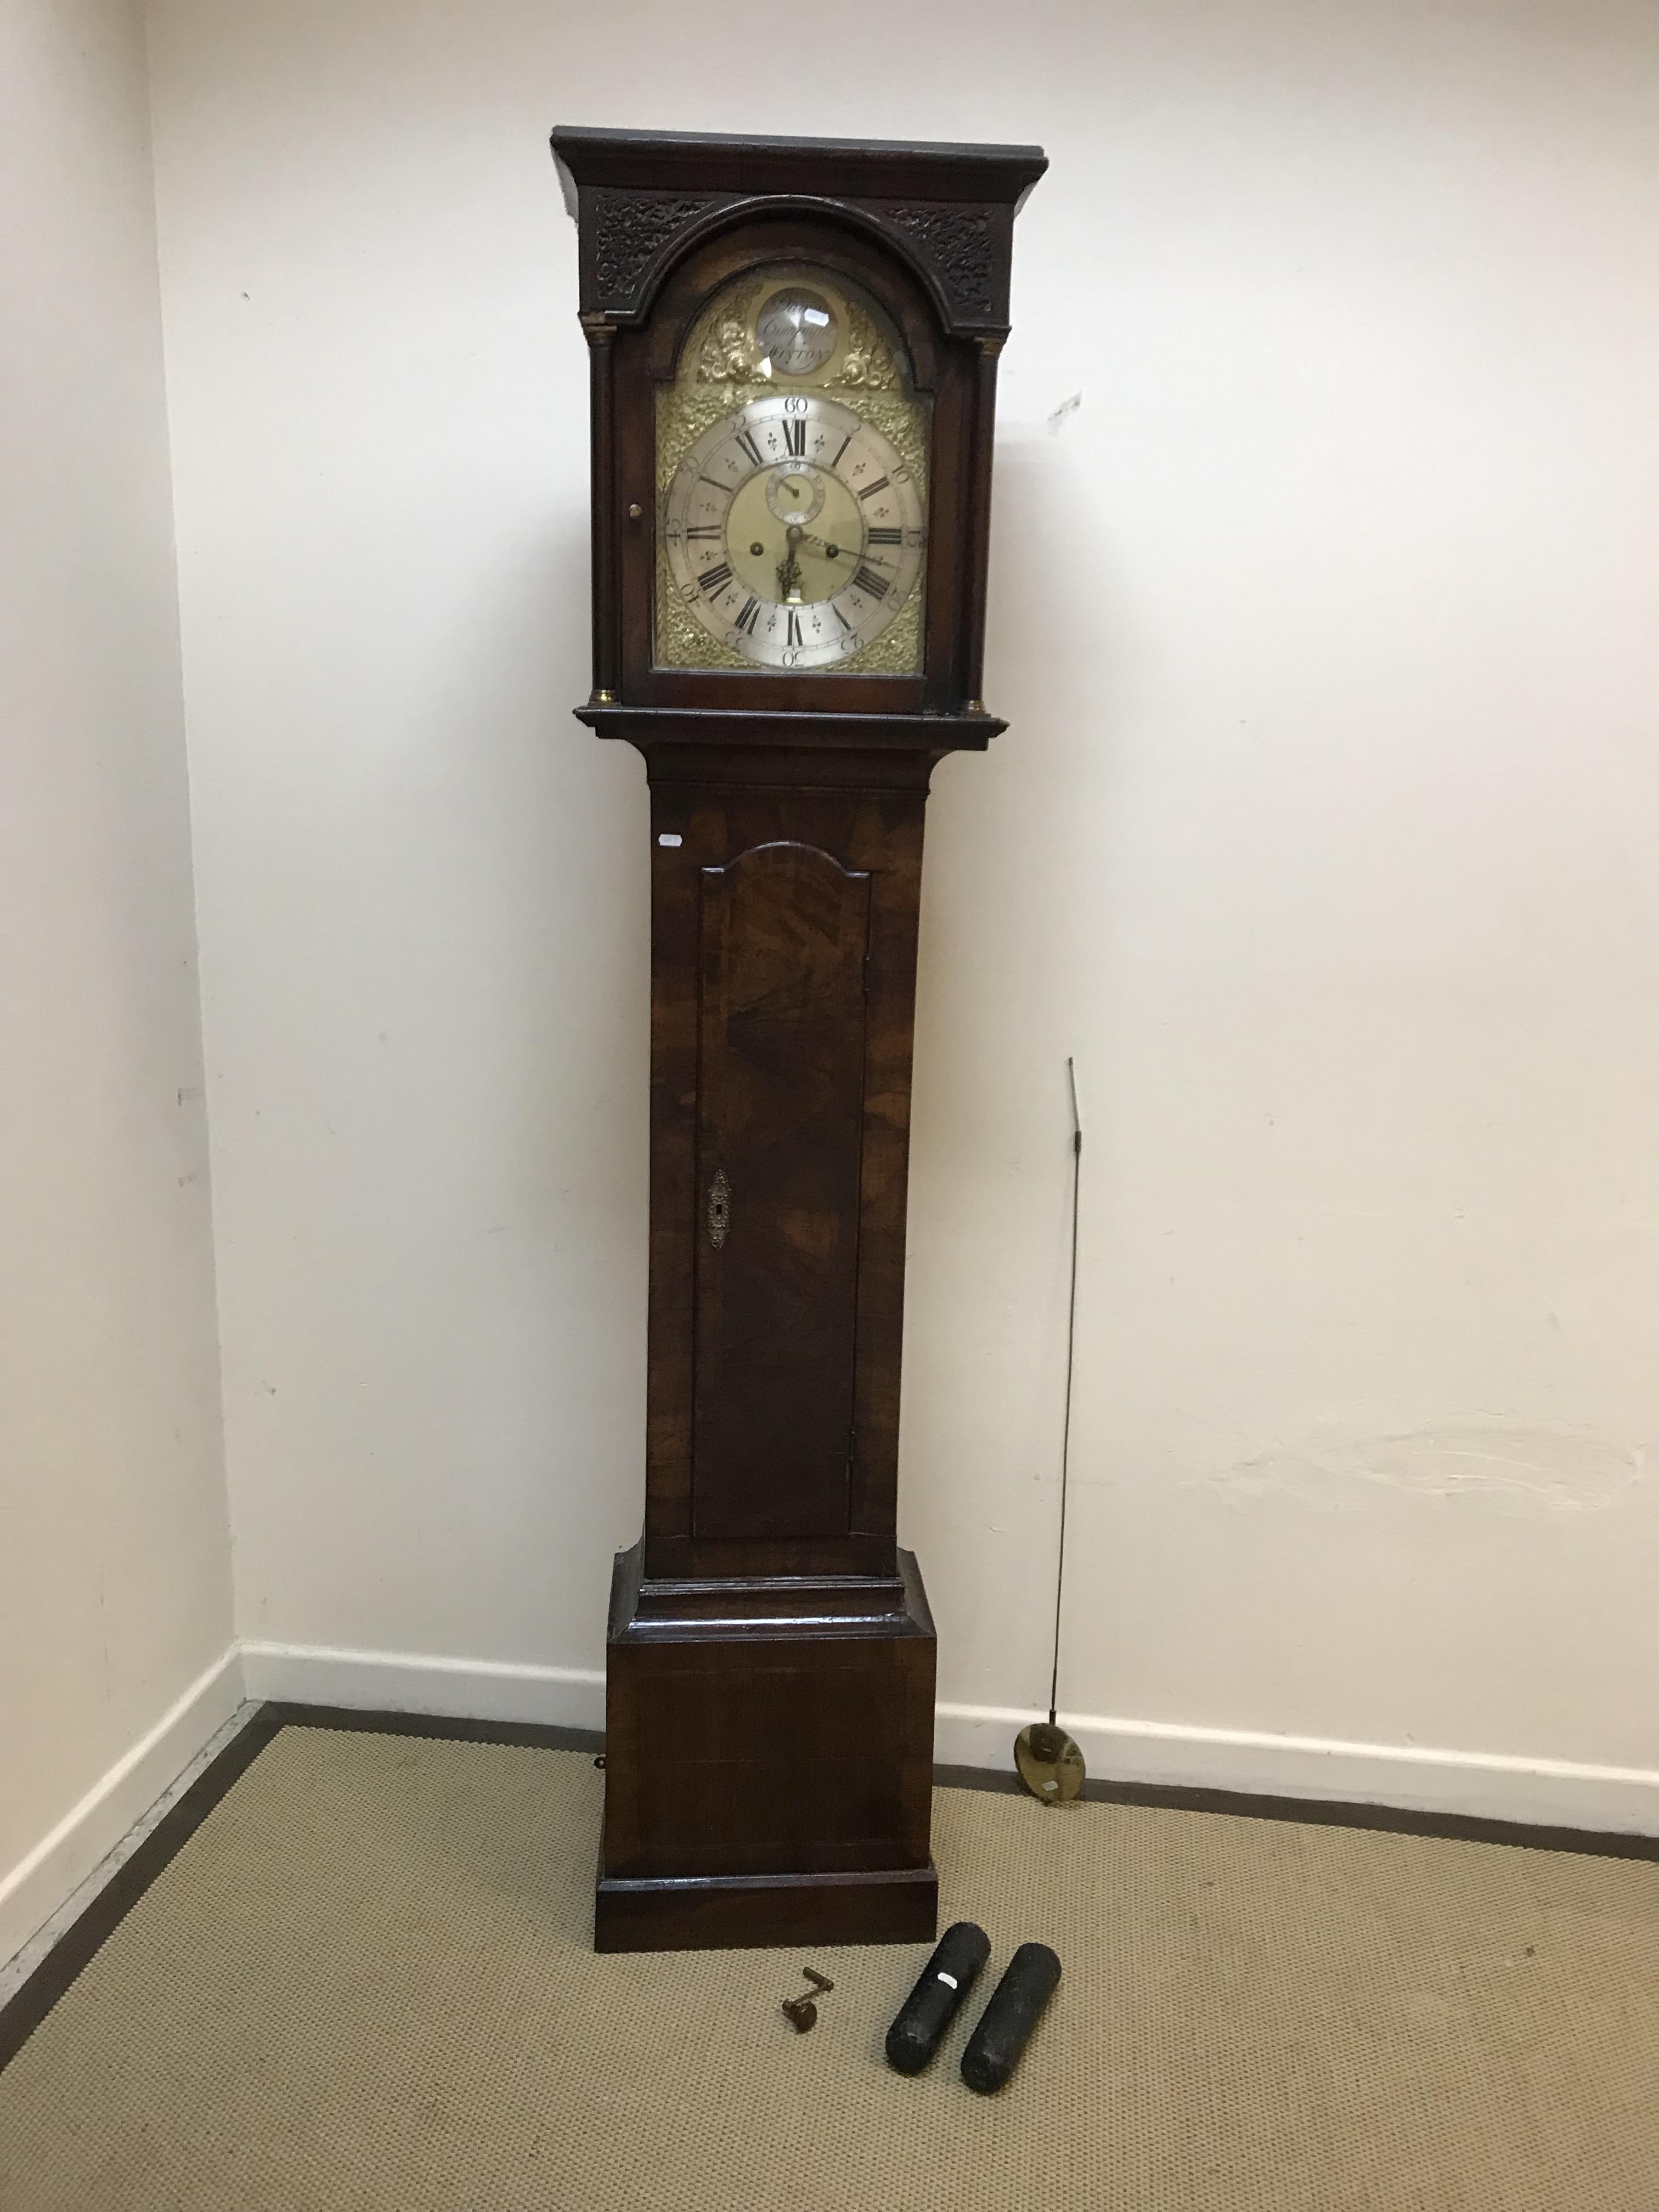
(949, 1980)
(671, 838)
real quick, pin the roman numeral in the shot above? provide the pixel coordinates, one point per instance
(746, 441)
(793, 637)
(840, 449)
(840, 617)
(713, 530)
(870, 490)
(715, 579)
(724, 490)
(877, 536)
(746, 619)
(794, 438)
(868, 581)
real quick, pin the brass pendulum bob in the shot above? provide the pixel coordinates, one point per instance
(1049, 1762)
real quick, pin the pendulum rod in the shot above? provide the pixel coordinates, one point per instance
(1048, 1763)
(1070, 1365)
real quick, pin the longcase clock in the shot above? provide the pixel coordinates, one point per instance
(794, 350)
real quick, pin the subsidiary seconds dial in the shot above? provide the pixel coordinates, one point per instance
(794, 531)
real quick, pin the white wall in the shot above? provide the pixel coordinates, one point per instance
(114, 1551)
(1321, 837)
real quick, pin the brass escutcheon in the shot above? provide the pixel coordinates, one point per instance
(720, 1208)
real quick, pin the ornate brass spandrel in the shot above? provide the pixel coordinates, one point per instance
(868, 363)
(897, 651)
(723, 347)
(903, 421)
(684, 411)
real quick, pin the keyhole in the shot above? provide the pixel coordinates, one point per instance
(720, 1208)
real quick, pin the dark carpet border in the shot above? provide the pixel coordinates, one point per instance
(531, 1735)
(84, 1938)
(81, 1941)
(1326, 1813)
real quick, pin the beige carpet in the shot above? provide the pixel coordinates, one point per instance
(366, 1984)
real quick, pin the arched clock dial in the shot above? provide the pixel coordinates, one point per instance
(794, 530)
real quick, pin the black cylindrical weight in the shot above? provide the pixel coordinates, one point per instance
(1005, 2026)
(928, 2010)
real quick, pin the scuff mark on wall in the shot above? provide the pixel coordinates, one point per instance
(1472, 1456)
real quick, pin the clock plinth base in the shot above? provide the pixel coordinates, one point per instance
(745, 1913)
(768, 1762)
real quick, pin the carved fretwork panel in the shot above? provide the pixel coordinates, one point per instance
(964, 249)
(632, 229)
(960, 249)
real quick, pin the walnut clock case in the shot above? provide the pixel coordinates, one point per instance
(793, 348)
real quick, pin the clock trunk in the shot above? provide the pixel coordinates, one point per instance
(783, 945)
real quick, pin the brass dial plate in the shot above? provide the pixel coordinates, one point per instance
(791, 486)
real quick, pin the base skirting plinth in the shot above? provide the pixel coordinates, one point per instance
(768, 1762)
(736, 1912)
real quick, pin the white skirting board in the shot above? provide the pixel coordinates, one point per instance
(414, 1682)
(1542, 1792)
(1482, 1785)
(34, 1889)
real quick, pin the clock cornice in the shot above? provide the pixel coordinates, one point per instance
(644, 199)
